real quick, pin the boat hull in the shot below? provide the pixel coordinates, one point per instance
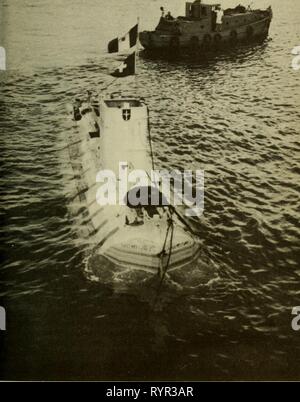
(192, 40)
(156, 243)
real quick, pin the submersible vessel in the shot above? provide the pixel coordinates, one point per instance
(149, 238)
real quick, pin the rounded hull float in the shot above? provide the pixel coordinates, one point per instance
(142, 249)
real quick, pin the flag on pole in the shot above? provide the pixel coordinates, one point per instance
(124, 43)
(126, 68)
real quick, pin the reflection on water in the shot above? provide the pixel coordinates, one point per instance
(235, 115)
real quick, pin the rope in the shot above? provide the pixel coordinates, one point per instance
(183, 220)
(162, 254)
(107, 86)
(164, 270)
(150, 140)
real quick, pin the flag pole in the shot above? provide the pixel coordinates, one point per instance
(136, 54)
(111, 82)
(102, 92)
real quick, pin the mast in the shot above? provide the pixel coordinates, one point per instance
(136, 55)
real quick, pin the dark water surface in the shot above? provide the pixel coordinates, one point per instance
(236, 116)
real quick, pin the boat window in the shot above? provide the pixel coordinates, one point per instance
(118, 103)
(203, 11)
(85, 111)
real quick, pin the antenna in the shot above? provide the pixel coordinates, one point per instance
(137, 54)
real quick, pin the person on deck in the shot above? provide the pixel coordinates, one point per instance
(169, 17)
(76, 109)
(220, 14)
(134, 217)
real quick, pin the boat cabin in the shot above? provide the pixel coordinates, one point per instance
(198, 16)
(197, 10)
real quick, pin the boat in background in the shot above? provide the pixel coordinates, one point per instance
(197, 31)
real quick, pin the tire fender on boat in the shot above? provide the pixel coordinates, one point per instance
(233, 35)
(217, 37)
(174, 43)
(249, 31)
(194, 43)
(150, 40)
(206, 41)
